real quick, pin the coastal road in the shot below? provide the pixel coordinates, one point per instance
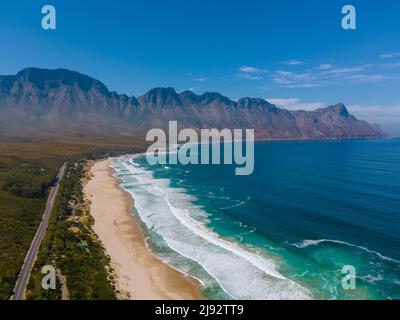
(19, 291)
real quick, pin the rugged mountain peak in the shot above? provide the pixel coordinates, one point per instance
(63, 100)
(251, 103)
(45, 79)
(337, 109)
(341, 109)
(189, 97)
(160, 97)
(214, 97)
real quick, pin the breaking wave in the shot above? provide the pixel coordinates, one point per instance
(171, 214)
(308, 243)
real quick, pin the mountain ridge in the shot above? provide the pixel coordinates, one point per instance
(64, 100)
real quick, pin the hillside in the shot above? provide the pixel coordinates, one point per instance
(66, 102)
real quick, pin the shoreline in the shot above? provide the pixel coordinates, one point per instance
(138, 274)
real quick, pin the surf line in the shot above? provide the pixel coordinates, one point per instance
(184, 146)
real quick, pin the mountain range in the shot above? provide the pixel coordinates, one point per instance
(62, 101)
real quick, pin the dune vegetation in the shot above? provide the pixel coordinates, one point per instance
(27, 170)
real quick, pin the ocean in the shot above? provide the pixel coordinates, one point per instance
(285, 232)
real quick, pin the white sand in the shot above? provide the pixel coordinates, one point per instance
(138, 274)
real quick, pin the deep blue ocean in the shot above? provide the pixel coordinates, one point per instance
(286, 231)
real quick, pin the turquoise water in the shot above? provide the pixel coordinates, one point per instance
(285, 232)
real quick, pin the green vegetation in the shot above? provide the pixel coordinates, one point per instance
(72, 247)
(27, 169)
(19, 218)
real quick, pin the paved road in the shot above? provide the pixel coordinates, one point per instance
(19, 291)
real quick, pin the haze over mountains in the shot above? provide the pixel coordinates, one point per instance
(62, 101)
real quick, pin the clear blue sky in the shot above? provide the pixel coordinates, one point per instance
(294, 53)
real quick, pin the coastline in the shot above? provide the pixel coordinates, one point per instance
(138, 274)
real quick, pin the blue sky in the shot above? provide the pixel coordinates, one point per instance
(293, 53)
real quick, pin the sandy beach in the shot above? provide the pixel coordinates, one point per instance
(139, 275)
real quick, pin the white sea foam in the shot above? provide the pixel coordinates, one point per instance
(371, 278)
(308, 243)
(171, 214)
(238, 204)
